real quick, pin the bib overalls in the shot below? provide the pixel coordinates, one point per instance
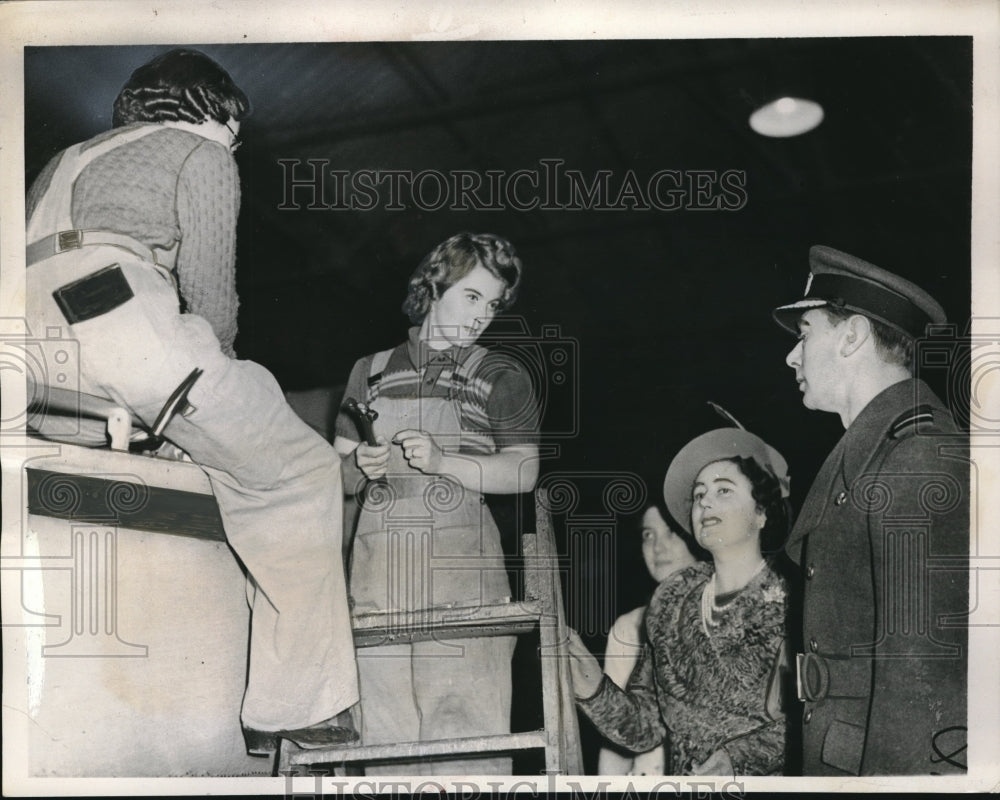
(426, 541)
(277, 483)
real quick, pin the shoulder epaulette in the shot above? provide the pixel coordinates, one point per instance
(906, 423)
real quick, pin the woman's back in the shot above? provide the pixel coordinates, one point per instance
(169, 188)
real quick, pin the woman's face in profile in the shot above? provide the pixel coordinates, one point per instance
(663, 550)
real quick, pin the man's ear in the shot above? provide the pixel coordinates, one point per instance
(857, 329)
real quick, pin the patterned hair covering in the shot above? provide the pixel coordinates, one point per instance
(180, 86)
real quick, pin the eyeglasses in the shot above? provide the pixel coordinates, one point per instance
(234, 145)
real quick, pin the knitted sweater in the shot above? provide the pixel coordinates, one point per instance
(170, 187)
(711, 691)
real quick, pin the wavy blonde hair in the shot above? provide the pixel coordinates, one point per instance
(455, 258)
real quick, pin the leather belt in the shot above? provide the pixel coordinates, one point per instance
(819, 677)
(72, 240)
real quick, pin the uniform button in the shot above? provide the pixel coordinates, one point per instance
(813, 645)
(810, 571)
(482, 500)
(807, 716)
(841, 499)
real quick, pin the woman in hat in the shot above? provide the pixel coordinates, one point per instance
(711, 669)
(664, 551)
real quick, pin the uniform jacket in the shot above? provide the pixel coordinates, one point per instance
(883, 538)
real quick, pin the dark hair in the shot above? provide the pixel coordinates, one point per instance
(892, 346)
(455, 258)
(181, 85)
(653, 501)
(766, 492)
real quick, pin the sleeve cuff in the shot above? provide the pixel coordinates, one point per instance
(601, 687)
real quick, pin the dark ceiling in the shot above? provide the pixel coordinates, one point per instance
(665, 309)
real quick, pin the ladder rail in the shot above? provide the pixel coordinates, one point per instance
(507, 742)
(568, 726)
(541, 580)
(398, 627)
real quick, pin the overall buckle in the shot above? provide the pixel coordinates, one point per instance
(69, 240)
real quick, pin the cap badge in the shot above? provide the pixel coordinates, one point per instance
(809, 283)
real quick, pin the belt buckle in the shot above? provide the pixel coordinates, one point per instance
(819, 670)
(70, 240)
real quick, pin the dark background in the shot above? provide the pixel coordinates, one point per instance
(659, 311)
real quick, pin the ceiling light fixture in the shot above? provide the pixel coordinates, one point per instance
(786, 116)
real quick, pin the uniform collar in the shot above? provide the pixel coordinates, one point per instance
(851, 456)
(876, 419)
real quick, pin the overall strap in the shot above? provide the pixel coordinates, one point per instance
(54, 210)
(463, 374)
(379, 361)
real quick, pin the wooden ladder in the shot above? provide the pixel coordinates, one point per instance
(541, 611)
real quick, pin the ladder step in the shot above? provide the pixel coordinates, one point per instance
(502, 619)
(414, 750)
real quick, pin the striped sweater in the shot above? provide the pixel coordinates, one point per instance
(496, 400)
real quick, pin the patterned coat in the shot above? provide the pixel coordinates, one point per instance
(883, 537)
(711, 691)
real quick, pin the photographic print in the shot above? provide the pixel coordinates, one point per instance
(494, 399)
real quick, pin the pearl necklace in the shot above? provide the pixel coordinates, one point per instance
(709, 608)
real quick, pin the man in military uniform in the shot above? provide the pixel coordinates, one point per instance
(883, 535)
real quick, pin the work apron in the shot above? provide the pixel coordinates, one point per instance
(426, 541)
(276, 482)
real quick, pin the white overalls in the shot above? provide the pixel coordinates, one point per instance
(277, 483)
(424, 541)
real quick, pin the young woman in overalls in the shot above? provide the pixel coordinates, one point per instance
(455, 422)
(122, 228)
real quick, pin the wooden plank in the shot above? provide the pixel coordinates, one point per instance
(503, 619)
(412, 750)
(447, 615)
(377, 638)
